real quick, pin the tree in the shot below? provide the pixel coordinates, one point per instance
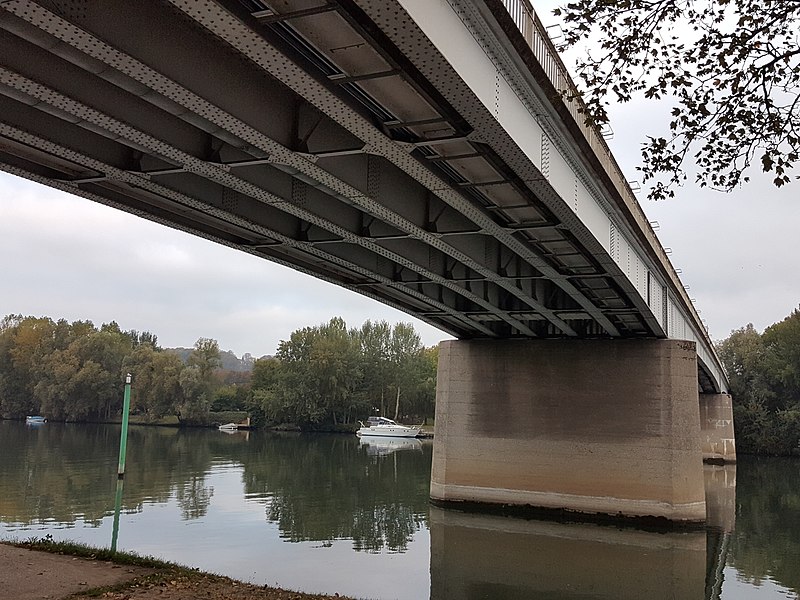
(744, 356)
(156, 378)
(84, 380)
(405, 354)
(329, 374)
(424, 401)
(334, 360)
(374, 340)
(197, 380)
(318, 375)
(730, 67)
(783, 361)
(764, 373)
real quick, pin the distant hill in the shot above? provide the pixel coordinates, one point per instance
(230, 362)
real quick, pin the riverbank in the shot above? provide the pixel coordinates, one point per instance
(240, 418)
(39, 570)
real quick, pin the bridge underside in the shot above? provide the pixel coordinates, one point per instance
(310, 138)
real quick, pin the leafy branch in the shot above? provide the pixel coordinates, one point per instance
(731, 68)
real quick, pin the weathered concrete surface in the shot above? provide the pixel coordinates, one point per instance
(593, 426)
(716, 425)
(485, 556)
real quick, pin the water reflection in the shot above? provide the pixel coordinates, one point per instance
(479, 556)
(62, 473)
(117, 509)
(312, 512)
(720, 484)
(766, 543)
(378, 446)
(323, 488)
(315, 488)
(475, 556)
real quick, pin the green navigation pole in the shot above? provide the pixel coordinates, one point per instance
(123, 438)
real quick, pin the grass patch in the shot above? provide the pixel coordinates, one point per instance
(48, 544)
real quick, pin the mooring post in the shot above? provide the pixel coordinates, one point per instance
(123, 438)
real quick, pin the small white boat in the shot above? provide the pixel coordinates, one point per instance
(35, 420)
(381, 426)
(229, 427)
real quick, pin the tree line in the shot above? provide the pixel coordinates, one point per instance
(75, 372)
(764, 373)
(330, 374)
(325, 376)
(321, 376)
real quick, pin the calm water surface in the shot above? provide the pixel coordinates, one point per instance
(335, 514)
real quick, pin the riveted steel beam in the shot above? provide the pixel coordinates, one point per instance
(182, 201)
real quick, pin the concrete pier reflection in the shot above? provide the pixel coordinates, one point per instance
(486, 556)
(720, 484)
(479, 556)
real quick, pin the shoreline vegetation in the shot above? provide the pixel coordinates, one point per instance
(173, 422)
(217, 419)
(164, 580)
(324, 378)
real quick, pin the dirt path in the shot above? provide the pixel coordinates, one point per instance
(35, 575)
(30, 575)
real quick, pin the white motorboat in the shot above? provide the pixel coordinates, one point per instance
(381, 426)
(35, 420)
(229, 427)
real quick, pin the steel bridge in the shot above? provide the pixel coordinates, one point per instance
(417, 152)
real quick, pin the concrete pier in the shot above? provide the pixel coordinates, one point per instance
(716, 425)
(608, 427)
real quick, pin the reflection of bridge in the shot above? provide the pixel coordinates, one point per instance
(474, 555)
(417, 152)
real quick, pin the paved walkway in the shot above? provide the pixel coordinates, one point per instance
(31, 575)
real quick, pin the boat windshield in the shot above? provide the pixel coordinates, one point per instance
(380, 421)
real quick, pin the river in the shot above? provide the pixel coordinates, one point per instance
(331, 513)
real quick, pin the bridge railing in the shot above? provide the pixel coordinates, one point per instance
(535, 34)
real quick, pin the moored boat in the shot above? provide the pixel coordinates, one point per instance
(381, 426)
(229, 427)
(35, 420)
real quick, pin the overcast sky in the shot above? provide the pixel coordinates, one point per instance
(66, 257)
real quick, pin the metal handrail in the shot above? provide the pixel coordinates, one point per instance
(536, 36)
